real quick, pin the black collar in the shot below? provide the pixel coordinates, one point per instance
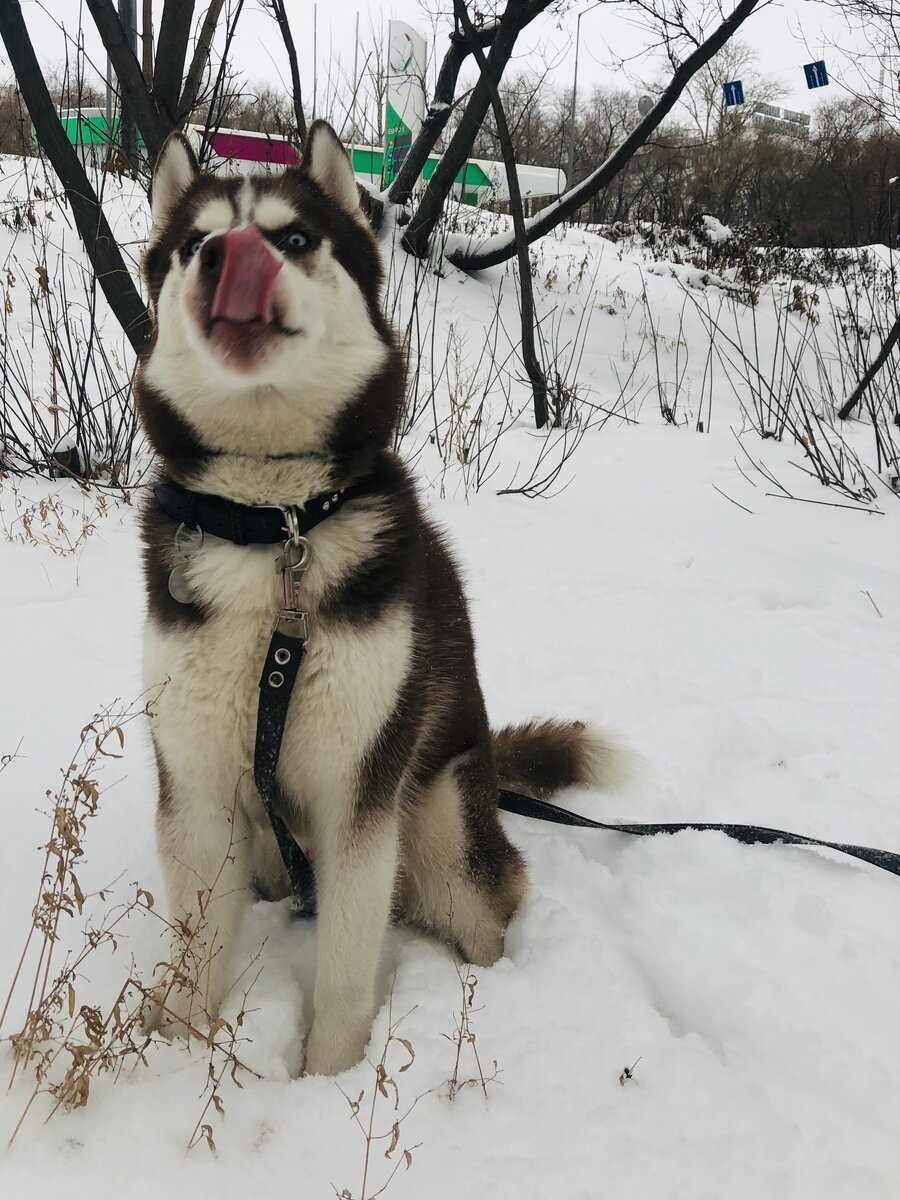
(247, 524)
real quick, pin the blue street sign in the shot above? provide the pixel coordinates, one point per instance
(816, 75)
(734, 93)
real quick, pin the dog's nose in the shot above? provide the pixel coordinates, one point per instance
(242, 267)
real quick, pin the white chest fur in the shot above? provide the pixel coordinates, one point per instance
(346, 690)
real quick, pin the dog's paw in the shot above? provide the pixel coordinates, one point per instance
(481, 947)
(172, 1013)
(331, 1052)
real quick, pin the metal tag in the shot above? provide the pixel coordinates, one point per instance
(179, 585)
(186, 543)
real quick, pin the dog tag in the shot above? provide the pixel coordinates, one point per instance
(186, 544)
(179, 585)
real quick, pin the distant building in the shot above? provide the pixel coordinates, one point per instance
(780, 120)
(239, 150)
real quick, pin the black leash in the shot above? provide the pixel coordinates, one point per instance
(283, 659)
(543, 810)
(246, 525)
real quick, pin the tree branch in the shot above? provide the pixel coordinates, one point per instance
(529, 357)
(880, 359)
(200, 60)
(498, 250)
(279, 12)
(93, 229)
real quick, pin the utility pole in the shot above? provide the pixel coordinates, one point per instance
(315, 57)
(147, 43)
(353, 134)
(127, 130)
(127, 139)
(571, 178)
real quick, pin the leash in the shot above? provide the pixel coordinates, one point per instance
(270, 524)
(543, 810)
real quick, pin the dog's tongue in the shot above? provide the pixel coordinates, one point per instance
(247, 279)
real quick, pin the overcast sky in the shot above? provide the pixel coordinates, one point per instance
(786, 35)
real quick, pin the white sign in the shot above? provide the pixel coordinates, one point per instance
(404, 108)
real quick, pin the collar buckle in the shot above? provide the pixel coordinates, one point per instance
(292, 524)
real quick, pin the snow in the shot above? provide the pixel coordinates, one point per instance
(748, 660)
(714, 229)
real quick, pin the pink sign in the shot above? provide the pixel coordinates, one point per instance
(253, 147)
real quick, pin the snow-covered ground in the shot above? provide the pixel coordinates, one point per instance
(748, 659)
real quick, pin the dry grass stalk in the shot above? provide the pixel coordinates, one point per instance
(52, 524)
(384, 1088)
(464, 1035)
(64, 1043)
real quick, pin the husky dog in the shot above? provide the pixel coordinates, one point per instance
(273, 378)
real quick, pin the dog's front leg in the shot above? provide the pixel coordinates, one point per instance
(356, 865)
(203, 848)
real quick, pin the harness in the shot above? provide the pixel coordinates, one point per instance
(246, 525)
(269, 525)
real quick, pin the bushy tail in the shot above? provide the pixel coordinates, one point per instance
(540, 758)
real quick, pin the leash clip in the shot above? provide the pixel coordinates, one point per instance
(291, 564)
(293, 623)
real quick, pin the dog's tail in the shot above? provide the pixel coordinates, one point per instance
(540, 758)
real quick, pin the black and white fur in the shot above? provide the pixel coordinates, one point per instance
(388, 770)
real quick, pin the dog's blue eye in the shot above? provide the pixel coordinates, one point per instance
(294, 241)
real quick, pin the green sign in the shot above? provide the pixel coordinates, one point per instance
(89, 128)
(397, 141)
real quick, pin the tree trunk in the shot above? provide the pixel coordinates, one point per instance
(171, 51)
(93, 229)
(526, 292)
(438, 115)
(418, 233)
(154, 127)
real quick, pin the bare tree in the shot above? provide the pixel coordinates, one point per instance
(147, 42)
(93, 228)
(153, 124)
(279, 12)
(892, 339)
(200, 59)
(154, 121)
(515, 17)
(502, 248)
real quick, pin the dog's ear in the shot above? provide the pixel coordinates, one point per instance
(176, 169)
(326, 163)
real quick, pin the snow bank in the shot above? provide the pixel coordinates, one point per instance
(747, 655)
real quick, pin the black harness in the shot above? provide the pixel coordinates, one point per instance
(270, 525)
(247, 525)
